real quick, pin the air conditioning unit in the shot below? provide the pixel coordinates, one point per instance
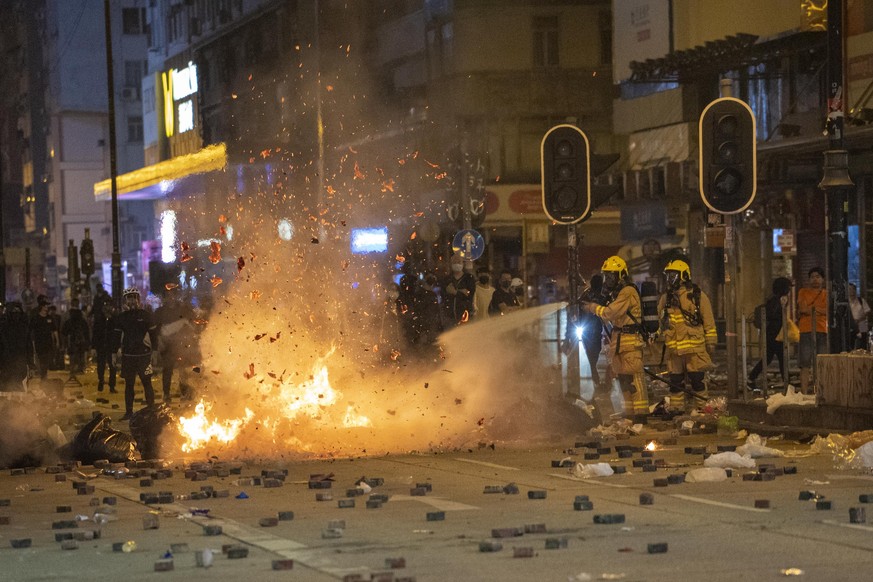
(129, 94)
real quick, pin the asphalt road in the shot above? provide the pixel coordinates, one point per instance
(712, 531)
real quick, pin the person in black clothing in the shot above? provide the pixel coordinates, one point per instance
(504, 300)
(773, 313)
(77, 336)
(136, 335)
(14, 340)
(458, 294)
(427, 312)
(177, 343)
(101, 341)
(592, 326)
(43, 338)
(101, 299)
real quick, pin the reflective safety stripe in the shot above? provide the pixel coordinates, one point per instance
(599, 310)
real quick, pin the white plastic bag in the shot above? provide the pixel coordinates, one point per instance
(583, 471)
(706, 475)
(790, 397)
(730, 459)
(756, 448)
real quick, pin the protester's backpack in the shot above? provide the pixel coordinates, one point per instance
(759, 314)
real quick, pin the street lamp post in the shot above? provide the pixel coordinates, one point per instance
(113, 162)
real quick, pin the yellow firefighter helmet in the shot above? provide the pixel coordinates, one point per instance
(680, 267)
(615, 264)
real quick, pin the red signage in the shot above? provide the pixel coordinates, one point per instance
(526, 202)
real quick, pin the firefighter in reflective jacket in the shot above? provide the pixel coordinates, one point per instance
(688, 329)
(625, 353)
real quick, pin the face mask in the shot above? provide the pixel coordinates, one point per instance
(504, 284)
(457, 268)
(672, 279)
(483, 280)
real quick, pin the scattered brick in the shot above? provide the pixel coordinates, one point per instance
(823, 505)
(493, 489)
(221, 493)
(762, 503)
(373, 504)
(382, 577)
(345, 503)
(619, 469)
(660, 548)
(268, 521)
(272, 483)
(86, 535)
(418, 492)
(16, 472)
(53, 470)
(237, 553)
(379, 497)
(676, 479)
(63, 509)
(556, 543)
(789, 470)
(661, 482)
(646, 454)
(166, 498)
(146, 483)
(395, 563)
(65, 524)
(354, 492)
(286, 515)
(110, 501)
(526, 552)
(283, 564)
(353, 578)
(625, 454)
(59, 537)
(726, 448)
(427, 486)
(647, 499)
(320, 484)
(436, 516)
(180, 548)
(60, 478)
(69, 545)
(212, 530)
(20, 543)
(118, 546)
(489, 546)
(749, 476)
(650, 468)
(506, 532)
(374, 481)
(86, 490)
(511, 489)
(857, 515)
(641, 462)
(583, 505)
(863, 498)
(324, 496)
(336, 524)
(591, 456)
(536, 494)
(331, 533)
(535, 528)
(150, 521)
(609, 518)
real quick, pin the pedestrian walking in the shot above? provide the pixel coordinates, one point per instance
(772, 313)
(459, 291)
(136, 335)
(484, 293)
(14, 339)
(688, 327)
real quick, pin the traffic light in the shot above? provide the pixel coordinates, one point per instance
(566, 174)
(86, 253)
(728, 158)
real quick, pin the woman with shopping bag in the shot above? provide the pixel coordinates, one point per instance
(860, 313)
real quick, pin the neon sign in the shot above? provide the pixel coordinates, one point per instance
(178, 85)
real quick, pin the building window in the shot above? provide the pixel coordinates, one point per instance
(133, 20)
(545, 41)
(133, 74)
(134, 129)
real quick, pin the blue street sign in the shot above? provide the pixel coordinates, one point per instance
(469, 243)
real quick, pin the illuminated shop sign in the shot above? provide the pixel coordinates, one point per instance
(178, 86)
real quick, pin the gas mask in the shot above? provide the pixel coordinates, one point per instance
(457, 267)
(610, 281)
(673, 279)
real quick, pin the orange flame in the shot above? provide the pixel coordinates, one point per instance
(215, 252)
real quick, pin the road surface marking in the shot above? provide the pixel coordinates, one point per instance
(591, 481)
(719, 503)
(492, 465)
(861, 477)
(435, 502)
(849, 525)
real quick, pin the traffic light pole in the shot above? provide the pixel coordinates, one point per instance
(730, 287)
(836, 184)
(113, 161)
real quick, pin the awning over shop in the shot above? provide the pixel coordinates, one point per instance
(158, 180)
